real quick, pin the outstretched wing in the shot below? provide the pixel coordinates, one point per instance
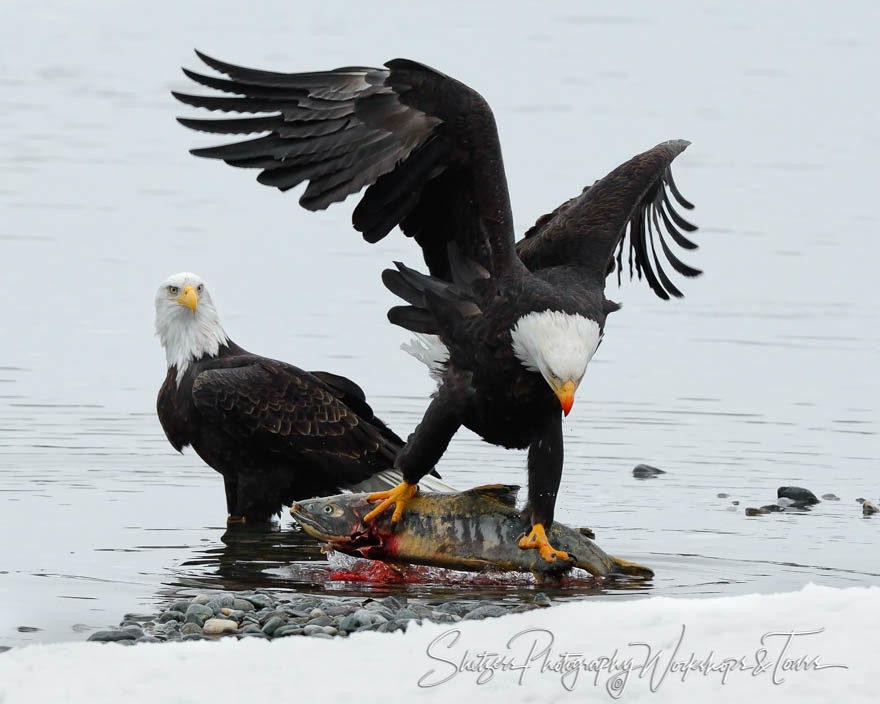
(424, 144)
(289, 411)
(585, 231)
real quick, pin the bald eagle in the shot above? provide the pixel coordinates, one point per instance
(518, 322)
(275, 432)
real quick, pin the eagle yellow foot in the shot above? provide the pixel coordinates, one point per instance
(232, 520)
(538, 539)
(397, 497)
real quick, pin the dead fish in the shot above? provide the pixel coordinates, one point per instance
(472, 530)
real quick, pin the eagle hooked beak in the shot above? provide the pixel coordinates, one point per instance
(565, 394)
(188, 298)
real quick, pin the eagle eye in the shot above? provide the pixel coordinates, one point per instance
(173, 290)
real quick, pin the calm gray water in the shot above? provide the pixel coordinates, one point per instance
(765, 375)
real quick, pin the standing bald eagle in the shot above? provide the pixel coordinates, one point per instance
(519, 322)
(275, 432)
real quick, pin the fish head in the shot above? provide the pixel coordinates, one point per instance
(338, 521)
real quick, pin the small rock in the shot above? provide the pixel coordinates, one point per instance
(722, 495)
(330, 630)
(114, 636)
(756, 511)
(250, 628)
(395, 603)
(232, 614)
(349, 623)
(215, 626)
(311, 630)
(172, 616)
(198, 614)
(190, 627)
(735, 503)
(587, 533)
(273, 624)
(830, 497)
(180, 605)
(260, 601)
(406, 614)
(450, 607)
(316, 613)
(488, 611)
(321, 621)
(868, 508)
(799, 495)
(288, 630)
(147, 639)
(443, 617)
(201, 599)
(242, 605)
(646, 471)
(541, 599)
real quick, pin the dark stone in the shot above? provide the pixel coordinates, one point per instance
(190, 627)
(395, 603)
(830, 497)
(260, 601)
(487, 611)
(273, 624)
(242, 605)
(646, 471)
(288, 630)
(799, 495)
(180, 605)
(587, 533)
(320, 621)
(756, 511)
(172, 616)
(113, 636)
(541, 599)
(198, 614)
(868, 508)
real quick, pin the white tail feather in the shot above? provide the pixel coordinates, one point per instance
(431, 352)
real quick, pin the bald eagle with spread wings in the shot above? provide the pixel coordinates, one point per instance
(275, 432)
(516, 323)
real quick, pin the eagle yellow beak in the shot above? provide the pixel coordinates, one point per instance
(188, 298)
(565, 394)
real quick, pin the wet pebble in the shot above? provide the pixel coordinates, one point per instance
(114, 636)
(797, 494)
(273, 624)
(190, 628)
(646, 471)
(830, 497)
(172, 615)
(198, 614)
(216, 626)
(488, 611)
(541, 599)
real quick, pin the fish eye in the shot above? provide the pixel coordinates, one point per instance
(173, 290)
(328, 509)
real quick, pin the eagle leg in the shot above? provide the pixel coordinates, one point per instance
(398, 497)
(538, 539)
(232, 519)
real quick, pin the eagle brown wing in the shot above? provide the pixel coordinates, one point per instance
(584, 232)
(424, 144)
(286, 410)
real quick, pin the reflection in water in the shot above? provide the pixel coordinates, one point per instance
(265, 556)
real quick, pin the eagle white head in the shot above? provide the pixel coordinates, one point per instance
(558, 346)
(186, 321)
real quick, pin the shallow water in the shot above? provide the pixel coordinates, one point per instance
(765, 375)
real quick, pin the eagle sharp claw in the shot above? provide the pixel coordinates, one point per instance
(399, 496)
(538, 539)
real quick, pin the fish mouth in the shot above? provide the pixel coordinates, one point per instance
(312, 526)
(362, 537)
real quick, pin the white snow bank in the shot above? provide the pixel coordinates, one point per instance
(831, 658)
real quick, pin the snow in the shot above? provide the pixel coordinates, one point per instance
(830, 658)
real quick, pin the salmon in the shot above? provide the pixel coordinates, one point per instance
(473, 530)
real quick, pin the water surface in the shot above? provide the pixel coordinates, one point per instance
(765, 375)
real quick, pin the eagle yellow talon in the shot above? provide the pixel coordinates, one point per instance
(398, 497)
(538, 539)
(232, 520)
